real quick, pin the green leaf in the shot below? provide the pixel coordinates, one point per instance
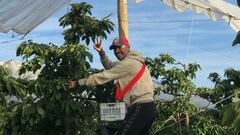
(237, 39)
(58, 96)
(87, 41)
(40, 111)
(58, 122)
(32, 122)
(231, 115)
(15, 108)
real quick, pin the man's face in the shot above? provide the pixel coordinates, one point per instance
(121, 51)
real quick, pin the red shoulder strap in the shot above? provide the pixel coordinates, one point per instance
(120, 93)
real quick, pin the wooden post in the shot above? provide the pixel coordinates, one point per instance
(122, 18)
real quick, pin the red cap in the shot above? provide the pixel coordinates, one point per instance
(118, 41)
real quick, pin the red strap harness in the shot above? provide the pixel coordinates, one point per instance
(120, 93)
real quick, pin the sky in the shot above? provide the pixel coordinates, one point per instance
(154, 28)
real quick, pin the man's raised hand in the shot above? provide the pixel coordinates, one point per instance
(98, 45)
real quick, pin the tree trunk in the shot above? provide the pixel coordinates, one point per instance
(186, 120)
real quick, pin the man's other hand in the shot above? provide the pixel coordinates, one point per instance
(72, 84)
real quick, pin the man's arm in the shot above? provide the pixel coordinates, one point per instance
(101, 78)
(106, 62)
(115, 72)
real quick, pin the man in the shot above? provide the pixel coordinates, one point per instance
(134, 85)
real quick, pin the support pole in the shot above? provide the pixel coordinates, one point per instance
(122, 18)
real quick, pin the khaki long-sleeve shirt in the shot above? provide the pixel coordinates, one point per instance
(123, 71)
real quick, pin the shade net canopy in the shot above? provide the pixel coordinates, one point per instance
(214, 9)
(22, 16)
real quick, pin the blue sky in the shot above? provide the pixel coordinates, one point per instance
(154, 28)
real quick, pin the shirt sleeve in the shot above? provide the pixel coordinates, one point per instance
(107, 63)
(117, 71)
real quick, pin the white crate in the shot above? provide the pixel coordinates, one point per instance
(112, 111)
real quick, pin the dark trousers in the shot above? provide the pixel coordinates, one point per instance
(139, 119)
